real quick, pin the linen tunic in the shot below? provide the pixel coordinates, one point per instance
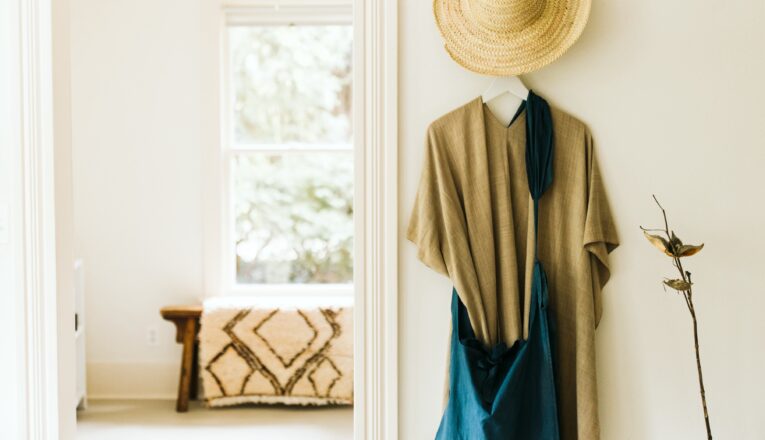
(473, 222)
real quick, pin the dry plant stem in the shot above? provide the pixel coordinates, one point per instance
(688, 295)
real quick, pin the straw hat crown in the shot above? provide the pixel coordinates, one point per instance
(509, 37)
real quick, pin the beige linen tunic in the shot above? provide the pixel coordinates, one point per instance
(473, 222)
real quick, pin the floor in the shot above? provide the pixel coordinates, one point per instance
(157, 419)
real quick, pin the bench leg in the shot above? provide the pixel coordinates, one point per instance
(195, 372)
(187, 365)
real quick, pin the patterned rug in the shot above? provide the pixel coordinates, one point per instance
(267, 350)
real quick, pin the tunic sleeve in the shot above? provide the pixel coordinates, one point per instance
(437, 209)
(600, 237)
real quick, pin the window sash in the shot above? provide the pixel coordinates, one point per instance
(230, 284)
(228, 111)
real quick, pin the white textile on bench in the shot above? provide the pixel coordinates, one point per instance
(295, 351)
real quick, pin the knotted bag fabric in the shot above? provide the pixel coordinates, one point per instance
(508, 392)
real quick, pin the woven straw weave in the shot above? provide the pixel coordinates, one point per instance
(509, 37)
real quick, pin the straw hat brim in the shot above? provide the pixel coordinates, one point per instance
(516, 50)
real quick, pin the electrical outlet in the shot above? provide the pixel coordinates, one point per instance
(151, 336)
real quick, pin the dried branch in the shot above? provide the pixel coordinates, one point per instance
(676, 249)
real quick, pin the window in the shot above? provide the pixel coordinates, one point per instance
(289, 159)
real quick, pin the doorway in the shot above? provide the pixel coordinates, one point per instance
(214, 187)
(374, 227)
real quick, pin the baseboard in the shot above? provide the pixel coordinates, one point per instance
(97, 397)
(133, 380)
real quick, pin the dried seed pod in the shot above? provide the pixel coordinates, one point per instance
(679, 285)
(675, 241)
(687, 250)
(659, 242)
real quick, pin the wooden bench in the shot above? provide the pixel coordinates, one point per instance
(186, 320)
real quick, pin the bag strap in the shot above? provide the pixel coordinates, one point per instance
(539, 160)
(539, 153)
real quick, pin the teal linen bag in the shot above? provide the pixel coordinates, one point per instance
(508, 392)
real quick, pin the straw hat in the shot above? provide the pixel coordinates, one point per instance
(509, 37)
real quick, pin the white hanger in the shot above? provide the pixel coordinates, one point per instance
(505, 84)
(504, 96)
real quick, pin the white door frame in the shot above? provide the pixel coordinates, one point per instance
(36, 212)
(375, 135)
(375, 70)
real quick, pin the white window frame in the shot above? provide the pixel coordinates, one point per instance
(267, 14)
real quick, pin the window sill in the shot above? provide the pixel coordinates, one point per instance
(291, 290)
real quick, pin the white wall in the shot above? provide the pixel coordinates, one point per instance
(674, 94)
(138, 117)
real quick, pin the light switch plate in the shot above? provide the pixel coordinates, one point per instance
(4, 224)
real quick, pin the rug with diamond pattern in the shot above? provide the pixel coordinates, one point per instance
(277, 350)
